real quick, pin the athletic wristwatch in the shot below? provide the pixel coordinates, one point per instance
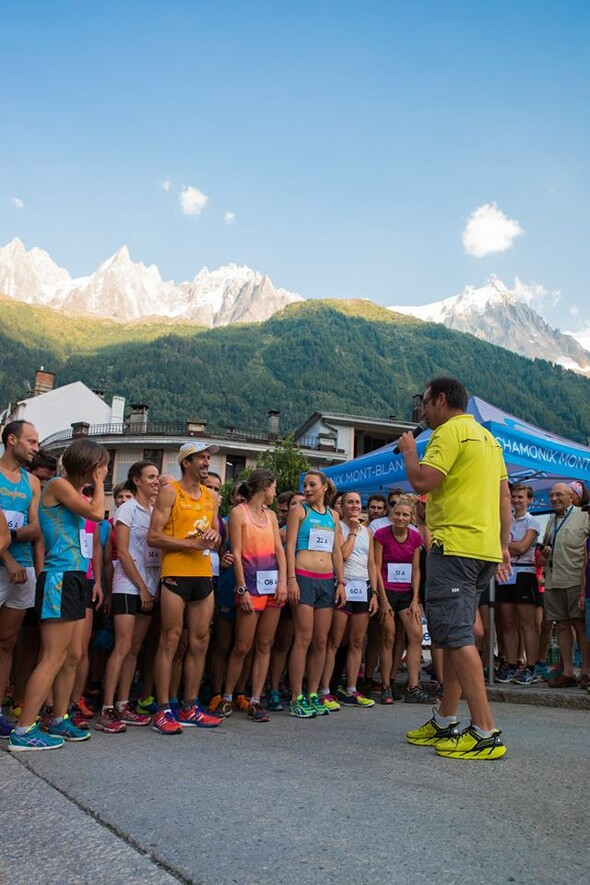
(241, 590)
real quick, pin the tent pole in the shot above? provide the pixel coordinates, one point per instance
(491, 642)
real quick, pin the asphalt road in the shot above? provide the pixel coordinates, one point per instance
(335, 800)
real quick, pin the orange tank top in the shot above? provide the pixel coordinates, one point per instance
(188, 519)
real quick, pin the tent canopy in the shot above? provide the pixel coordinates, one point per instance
(532, 455)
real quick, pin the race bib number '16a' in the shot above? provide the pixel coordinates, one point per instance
(356, 591)
(321, 539)
(399, 572)
(266, 582)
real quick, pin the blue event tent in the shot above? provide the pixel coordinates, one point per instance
(532, 455)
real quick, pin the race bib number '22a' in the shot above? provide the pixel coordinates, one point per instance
(321, 539)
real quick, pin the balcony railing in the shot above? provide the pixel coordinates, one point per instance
(180, 431)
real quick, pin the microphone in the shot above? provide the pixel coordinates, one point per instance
(415, 433)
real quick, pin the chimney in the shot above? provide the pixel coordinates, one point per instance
(79, 428)
(417, 408)
(138, 419)
(44, 382)
(196, 427)
(273, 424)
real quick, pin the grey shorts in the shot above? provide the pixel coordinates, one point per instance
(316, 590)
(20, 596)
(561, 604)
(454, 586)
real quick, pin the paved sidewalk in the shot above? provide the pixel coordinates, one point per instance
(46, 837)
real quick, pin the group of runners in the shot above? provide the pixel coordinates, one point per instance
(285, 600)
(269, 612)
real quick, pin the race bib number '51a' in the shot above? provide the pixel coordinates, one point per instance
(399, 572)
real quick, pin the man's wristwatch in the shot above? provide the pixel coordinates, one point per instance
(241, 590)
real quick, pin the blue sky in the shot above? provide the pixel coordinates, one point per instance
(350, 141)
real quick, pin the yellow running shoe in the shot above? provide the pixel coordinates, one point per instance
(470, 745)
(431, 733)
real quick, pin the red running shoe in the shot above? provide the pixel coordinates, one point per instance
(196, 716)
(165, 723)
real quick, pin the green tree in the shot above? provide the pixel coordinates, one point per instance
(287, 462)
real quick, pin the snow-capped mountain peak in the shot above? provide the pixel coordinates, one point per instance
(28, 276)
(503, 316)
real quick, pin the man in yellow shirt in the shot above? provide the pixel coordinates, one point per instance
(184, 525)
(468, 514)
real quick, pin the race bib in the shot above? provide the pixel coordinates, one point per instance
(152, 557)
(399, 572)
(86, 542)
(266, 582)
(321, 539)
(15, 519)
(356, 591)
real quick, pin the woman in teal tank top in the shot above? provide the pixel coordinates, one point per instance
(61, 594)
(315, 582)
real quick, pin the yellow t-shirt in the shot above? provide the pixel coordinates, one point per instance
(188, 515)
(463, 512)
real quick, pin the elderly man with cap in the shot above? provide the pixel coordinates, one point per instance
(185, 527)
(563, 558)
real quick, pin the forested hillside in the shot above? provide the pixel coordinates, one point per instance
(316, 355)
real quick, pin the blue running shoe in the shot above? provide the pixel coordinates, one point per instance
(6, 727)
(274, 701)
(68, 731)
(33, 739)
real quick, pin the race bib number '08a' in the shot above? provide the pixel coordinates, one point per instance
(356, 591)
(399, 572)
(266, 582)
(321, 539)
(86, 540)
(15, 519)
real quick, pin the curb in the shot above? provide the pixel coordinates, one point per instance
(572, 699)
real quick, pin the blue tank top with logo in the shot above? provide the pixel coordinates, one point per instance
(313, 521)
(15, 499)
(61, 529)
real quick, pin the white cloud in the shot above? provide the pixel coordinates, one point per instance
(192, 200)
(17, 202)
(534, 294)
(488, 230)
(229, 217)
(165, 184)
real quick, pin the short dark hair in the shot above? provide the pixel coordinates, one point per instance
(212, 473)
(13, 428)
(381, 498)
(453, 390)
(43, 459)
(520, 486)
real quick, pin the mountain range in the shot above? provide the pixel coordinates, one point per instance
(127, 291)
